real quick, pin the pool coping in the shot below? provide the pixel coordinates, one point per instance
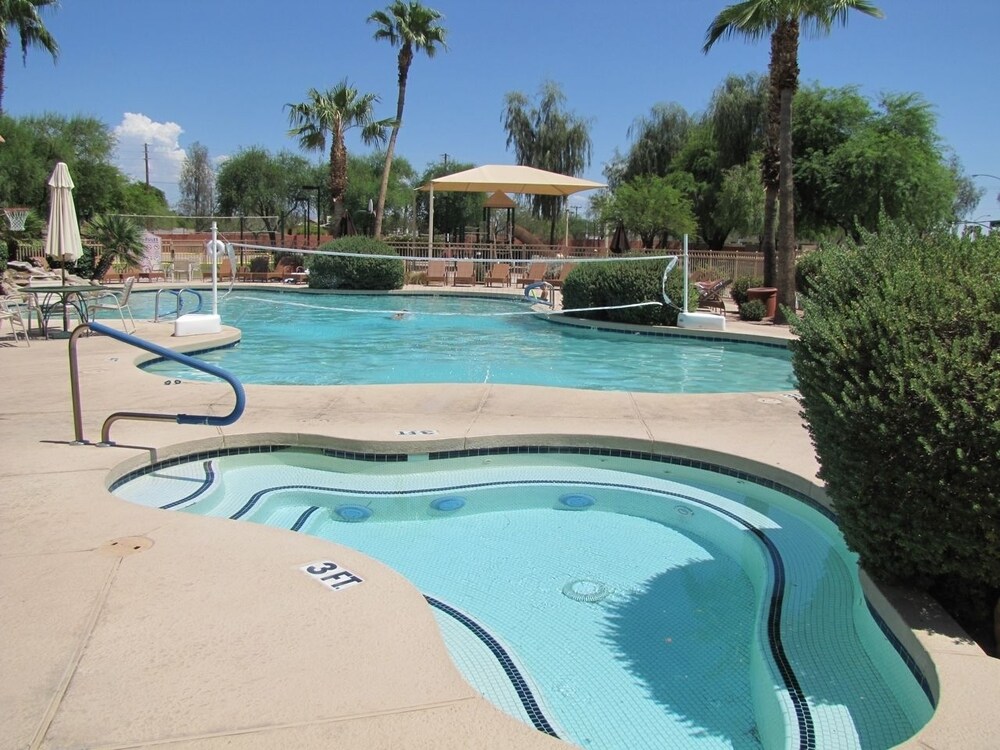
(59, 704)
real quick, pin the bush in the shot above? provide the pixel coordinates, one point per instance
(807, 268)
(336, 272)
(898, 362)
(610, 284)
(755, 309)
(738, 289)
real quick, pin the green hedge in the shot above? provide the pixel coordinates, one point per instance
(628, 282)
(898, 363)
(336, 272)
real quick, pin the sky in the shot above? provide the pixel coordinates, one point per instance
(169, 73)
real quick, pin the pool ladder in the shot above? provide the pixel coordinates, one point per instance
(184, 359)
(178, 293)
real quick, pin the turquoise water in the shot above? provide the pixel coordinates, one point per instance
(298, 339)
(645, 604)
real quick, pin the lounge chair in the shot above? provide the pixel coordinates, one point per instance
(437, 272)
(499, 274)
(710, 293)
(536, 273)
(112, 301)
(465, 272)
(563, 273)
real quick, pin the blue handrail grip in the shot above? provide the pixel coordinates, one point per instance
(184, 359)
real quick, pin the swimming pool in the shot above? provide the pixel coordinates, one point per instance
(355, 339)
(617, 600)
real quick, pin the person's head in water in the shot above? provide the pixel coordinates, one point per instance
(402, 314)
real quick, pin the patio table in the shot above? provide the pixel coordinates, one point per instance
(74, 296)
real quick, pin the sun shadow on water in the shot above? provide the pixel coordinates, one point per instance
(686, 636)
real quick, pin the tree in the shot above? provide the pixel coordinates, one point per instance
(854, 161)
(120, 239)
(413, 28)
(453, 211)
(741, 201)
(22, 17)
(197, 186)
(253, 182)
(780, 20)
(546, 137)
(332, 113)
(651, 207)
(34, 145)
(365, 176)
(656, 141)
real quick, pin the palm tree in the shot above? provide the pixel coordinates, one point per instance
(334, 112)
(546, 137)
(22, 16)
(413, 28)
(780, 20)
(120, 239)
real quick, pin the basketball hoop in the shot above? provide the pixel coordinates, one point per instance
(16, 216)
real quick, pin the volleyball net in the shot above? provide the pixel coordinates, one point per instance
(539, 278)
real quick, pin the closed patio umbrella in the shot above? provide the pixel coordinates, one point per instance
(63, 239)
(619, 240)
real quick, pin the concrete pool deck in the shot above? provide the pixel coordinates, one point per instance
(127, 627)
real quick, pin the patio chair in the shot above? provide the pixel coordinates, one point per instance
(499, 274)
(465, 273)
(557, 282)
(710, 294)
(437, 272)
(113, 302)
(536, 273)
(10, 309)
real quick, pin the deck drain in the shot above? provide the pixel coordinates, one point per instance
(125, 546)
(584, 590)
(770, 400)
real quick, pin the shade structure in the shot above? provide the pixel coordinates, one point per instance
(63, 239)
(510, 179)
(505, 178)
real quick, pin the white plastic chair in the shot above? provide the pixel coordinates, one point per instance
(10, 309)
(112, 301)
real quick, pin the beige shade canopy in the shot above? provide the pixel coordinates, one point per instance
(499, 200)
(510, 179)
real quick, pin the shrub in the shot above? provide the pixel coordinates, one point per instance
(629, 282)
(260, 264)
(336, 272)
(807, 268)
(898, 362)
(738, 289)
(755, 309)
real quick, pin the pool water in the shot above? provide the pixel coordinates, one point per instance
(637, 603)
(323, 339)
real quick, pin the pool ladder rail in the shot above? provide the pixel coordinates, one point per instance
(178, 293)
(184, 359)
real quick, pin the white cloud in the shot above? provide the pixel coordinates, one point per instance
(165, 154)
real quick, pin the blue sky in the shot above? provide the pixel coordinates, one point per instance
(220, 72)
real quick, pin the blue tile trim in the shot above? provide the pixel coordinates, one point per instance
(671, 334)
(297, 526)
(528, 701)
(159, 360)
(915, 670)
(205, 484)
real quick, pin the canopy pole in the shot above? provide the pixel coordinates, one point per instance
(566, 209)
(430, 227)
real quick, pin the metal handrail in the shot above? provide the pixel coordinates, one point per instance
(180, 302)
(184, 359)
